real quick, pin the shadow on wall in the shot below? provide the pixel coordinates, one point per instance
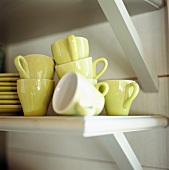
(3, 161)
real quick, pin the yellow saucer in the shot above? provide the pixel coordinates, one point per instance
(9, 75)
(8, 88)
(9, 79)
(10, 107)
(9, 102)
(9, 97)
(9, 110)
(8, 84)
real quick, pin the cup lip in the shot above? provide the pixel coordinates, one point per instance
(37, 54)
(72, 62)
(118, 80)
(34, 79)
(62, 39)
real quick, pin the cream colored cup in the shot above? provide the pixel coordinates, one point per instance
(36, 66)
(75, 95)
(92, 81)
(85, 66)
(35, 95)
(120, 96)
(70, 49)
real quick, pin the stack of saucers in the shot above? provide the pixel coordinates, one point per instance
(9, 101)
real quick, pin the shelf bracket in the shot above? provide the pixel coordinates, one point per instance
(125, 31)
(121, 151)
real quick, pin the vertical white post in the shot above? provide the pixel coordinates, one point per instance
(121, 152)
(125, 31)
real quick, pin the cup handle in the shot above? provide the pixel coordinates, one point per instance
(84, 111)
(128, 101)
(105, 87)
(22, 66)
(95, 62)
(72, 47)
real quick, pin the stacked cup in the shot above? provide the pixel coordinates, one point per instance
(72, 54)
(75, 94)
(35, 88)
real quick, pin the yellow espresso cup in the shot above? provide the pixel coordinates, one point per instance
(35, 95)
(36, 66)
(70, 49)
(85, 66)
(120, 96)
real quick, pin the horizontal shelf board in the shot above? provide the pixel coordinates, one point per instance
(87, 126)
(49, 17)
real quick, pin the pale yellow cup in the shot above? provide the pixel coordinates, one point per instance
(85, 66)
(36, 66)
(75, 95)
(120, 96)
(70, 49)
(35, 95)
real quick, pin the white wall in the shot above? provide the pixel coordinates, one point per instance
(45, 151)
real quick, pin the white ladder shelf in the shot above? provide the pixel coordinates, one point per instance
(127, 35)
(110, 127)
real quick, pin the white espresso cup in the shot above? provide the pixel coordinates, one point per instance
(75, 95)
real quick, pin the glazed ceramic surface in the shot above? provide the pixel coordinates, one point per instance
(9, 96)
(35, 95)
(75, 95)
(8, 88)
(35, 66)
(9, 79)
(92, 81)
(120, 96)
(70, 49)
(9, 75)
(8, 84)
(85, 66)
(9, 102)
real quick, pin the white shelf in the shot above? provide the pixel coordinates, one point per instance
(51, 17)
(87, 126)
(111, 127)
(128, 38)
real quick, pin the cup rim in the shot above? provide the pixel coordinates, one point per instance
(33, 79)
(71, 62)
(57, 41)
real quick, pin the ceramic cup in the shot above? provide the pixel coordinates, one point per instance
(35, 66)
(85, 66)
(35, 95)
(120, 96)
(92, 81)
(75, 95)
(70, 49)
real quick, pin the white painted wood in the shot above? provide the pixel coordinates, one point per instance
(128, 37)
(121, 152)
(68, 145)
(167, 34)
(20, 160)
(152, 103)
(87, 126)
(151, 147)
(156, 3)
(152, 29)
(153, 141)
(52, 11)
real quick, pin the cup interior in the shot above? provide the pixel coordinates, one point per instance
(64, 92)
